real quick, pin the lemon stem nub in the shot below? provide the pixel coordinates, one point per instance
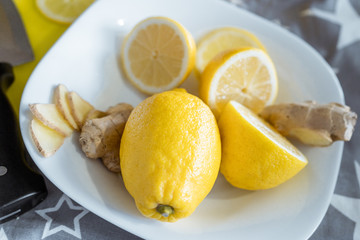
(165, 210)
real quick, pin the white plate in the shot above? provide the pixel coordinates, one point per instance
(85, 59)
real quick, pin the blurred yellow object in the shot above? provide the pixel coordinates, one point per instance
(63, 11)
(42, 34)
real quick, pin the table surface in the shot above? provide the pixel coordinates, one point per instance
(332, 27)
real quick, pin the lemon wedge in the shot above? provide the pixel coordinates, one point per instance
(254, 155)
(158, 54)
(247, 75)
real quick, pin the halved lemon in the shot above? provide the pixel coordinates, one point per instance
(221, 39)
(254, 155)
(63, 11)
(158, 54)
(247, 75)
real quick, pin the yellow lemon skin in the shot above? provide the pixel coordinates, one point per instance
(251, 159)
(170, 154)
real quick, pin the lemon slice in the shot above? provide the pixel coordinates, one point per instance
(158, 54)
(247, 75)
(254, 155)
(222, 39)
(63, 11)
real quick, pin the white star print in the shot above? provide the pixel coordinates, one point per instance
(75, 232)
(350, 207)
(346, 16)
(3, 235)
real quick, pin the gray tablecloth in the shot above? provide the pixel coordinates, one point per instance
(332, 27)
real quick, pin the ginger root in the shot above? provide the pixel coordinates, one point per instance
(94, 113)
(312, 123)
(100, 136)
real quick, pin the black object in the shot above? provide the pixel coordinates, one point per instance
(21, 188)
(15, 47)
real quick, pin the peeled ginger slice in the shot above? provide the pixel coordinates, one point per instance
(46, 140)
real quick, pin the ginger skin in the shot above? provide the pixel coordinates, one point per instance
(312, 123)
(100, 136)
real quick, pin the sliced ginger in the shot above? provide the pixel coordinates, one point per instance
(100, 136)
(46, 140)
(79, 108)
(68, 112)
(61, 102)
(49, 115)
(312, 123)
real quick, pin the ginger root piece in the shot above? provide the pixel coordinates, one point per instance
(79, 108)
(94, 113)
(61, 102)
(312, 123)
(100, 137)
(50, 116)
(47, 140)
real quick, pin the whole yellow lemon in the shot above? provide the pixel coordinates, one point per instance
(170, 155)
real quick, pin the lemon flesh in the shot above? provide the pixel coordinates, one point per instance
(158, 54)
(254, 155)
(221, 39)
(246, 75)
(170, 155)
(63, 11)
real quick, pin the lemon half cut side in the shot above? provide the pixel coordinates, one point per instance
(245, 75)
(254, 155)
(158, 54)
(222, 39)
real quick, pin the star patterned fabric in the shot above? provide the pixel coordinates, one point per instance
(332, 27)
(348, 206)
(345, 16)
(3, 235)
(65, 212)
